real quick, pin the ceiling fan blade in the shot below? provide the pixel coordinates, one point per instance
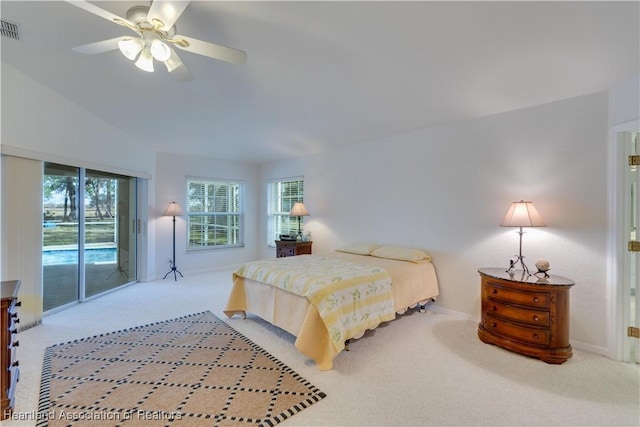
(211, 50)
(98, 47)
(177, 68)
(166, 11)
(101, 13)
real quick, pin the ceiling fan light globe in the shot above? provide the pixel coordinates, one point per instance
(130, 48)
(145, 61)
(172, 62)
(160, 51)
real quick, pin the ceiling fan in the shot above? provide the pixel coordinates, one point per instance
(155, 38)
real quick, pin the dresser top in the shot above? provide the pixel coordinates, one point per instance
(10, 288)
(519, 276)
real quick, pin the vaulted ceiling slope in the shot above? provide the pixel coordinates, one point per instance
(323, 74)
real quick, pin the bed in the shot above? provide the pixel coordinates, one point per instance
(325, 300)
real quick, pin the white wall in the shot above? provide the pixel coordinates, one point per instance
(446, 189)
(171, 185)
(37, 119)
(624, 101)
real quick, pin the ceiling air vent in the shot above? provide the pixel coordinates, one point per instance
(7, 29)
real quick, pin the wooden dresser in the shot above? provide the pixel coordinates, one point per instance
(292, 248)
(526, 314)
(9, 342)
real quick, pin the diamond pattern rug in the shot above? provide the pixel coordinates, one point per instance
(191, 371)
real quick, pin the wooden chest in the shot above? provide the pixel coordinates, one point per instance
(526, 314)
(9, 343)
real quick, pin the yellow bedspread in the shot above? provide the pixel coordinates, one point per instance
(350, 298)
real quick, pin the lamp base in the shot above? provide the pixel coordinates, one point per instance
(513, 262)
(173, 270)
(518, 259)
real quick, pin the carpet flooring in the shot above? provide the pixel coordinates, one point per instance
(194, 370)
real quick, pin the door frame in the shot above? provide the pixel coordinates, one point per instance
(618, 303)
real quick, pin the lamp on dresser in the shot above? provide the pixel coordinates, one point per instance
(521, 214)
(299, 210)
(173, 210)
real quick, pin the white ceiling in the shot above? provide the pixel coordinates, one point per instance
(322, 74)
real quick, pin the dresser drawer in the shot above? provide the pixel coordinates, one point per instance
(14, 374)
(531, 317)
(285, 248)
(284, 251)
(514, 296)
(516, 332)
(13, 351)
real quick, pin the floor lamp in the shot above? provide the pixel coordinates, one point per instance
(173, 210)
(521, 214)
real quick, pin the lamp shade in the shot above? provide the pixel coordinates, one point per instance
(299, 210)
(130, 47)
(522, 214)
(159, 50)
(145, 60)
(173, 61)
(173, 210)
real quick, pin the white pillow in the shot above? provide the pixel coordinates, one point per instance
(402, 254)
(359, 248)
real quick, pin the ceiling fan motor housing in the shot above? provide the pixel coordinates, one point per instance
(138, 15)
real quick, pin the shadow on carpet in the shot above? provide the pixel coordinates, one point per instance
(191, 371)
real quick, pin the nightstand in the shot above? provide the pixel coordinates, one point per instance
(526, 314)
(291, 248)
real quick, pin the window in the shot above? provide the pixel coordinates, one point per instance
(281, 197)
(214, 214)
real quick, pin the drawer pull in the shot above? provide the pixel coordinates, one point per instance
(536, 337)
(494, 308)
(536, 318)
(494, 291)
(536, 299)
(494, 324)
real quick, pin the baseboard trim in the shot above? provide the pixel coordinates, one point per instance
(590, 348)
(29, 325)
(457, 314)
(578, 345)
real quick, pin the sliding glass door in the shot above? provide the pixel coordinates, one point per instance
(89, 233)
(109, 231)
(60, 235)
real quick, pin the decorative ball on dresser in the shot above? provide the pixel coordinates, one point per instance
(543, 266)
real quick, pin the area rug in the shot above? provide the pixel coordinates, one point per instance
(190, 371)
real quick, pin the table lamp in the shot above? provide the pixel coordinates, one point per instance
(521, 214)
(299, 210)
